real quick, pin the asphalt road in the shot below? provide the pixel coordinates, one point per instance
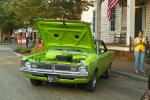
(14, 86)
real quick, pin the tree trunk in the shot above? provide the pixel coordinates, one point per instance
(27, 38)
(1, 34)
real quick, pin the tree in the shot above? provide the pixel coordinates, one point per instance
(69, 9)
(3, 14)
(8, 19)
(16, 14)
(50, 9)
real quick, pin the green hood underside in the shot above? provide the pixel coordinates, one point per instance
(73, 35)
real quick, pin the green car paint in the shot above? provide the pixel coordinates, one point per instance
(71, 35)
(77, 80)
(71, 54)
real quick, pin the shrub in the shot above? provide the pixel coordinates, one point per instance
(37, 49)
(23, 50)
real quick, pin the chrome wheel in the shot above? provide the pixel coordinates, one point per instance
(108, 73)
(94, 82)
(91, 86)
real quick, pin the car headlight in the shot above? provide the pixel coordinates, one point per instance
(27, 65)
(83, 69)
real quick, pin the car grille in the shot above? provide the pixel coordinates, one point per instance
(45, 66)
(62, 67)
(55, 67)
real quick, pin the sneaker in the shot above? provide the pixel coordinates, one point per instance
(136, 72)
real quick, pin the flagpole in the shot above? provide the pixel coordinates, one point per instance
(109, 26)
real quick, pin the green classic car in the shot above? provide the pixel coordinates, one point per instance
(71, 55)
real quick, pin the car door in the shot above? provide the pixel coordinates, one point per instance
(103, 61)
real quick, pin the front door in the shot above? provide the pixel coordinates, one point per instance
(138, 20)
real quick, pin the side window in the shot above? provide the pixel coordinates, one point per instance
(102, 47)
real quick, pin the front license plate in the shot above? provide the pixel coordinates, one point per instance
(52, 78)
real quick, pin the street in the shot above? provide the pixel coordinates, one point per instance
(14, 86)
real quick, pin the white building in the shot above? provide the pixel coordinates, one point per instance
(128, 18)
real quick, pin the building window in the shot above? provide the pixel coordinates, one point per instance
(113, 20)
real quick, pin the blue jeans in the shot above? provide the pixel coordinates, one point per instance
(139, 60)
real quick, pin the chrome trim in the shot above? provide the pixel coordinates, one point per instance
(54, 72)
(55, 66)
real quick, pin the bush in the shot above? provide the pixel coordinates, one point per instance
(32, 50)
(37, 49)
(23, 50)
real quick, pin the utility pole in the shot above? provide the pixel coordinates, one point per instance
(98, 19)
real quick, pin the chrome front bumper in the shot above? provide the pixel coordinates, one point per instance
(54, 72)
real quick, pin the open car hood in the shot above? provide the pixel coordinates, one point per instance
(74, 35)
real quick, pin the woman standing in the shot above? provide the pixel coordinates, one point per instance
(139, 52)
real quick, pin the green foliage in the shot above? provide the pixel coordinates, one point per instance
(68, 9)
(15, 14)
(37, 50)
(8, 18)
(23, 50)
(50, 9)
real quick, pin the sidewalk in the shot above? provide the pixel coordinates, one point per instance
(7, 47)
(126, 67)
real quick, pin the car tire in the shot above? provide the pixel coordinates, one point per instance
(108, 73)
(91, 86)
(36, 82)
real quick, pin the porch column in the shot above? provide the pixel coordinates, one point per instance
(130, 20)
(97, 20)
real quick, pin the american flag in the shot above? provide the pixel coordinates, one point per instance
(111, 5)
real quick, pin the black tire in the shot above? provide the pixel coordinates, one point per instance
(108, 73)
(91, 86)
(36, 82)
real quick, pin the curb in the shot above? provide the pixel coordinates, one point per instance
(5, 43)
(6, 49)
(8, 43)
(135, 77)
(17, 54)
